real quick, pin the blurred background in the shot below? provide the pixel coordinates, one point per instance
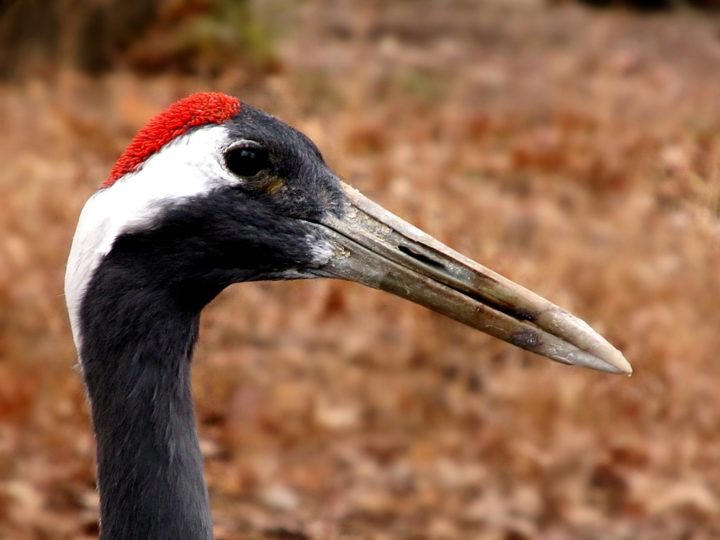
(574, 147)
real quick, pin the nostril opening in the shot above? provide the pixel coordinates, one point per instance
(421, 257)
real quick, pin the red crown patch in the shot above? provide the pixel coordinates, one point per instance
(192, 111)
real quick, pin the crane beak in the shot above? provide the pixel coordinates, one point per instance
(376, 248)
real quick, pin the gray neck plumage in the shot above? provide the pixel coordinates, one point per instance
(137, 343)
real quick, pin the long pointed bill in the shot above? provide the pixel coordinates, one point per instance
(376, 248)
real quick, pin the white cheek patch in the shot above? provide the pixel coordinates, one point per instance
(186, 167)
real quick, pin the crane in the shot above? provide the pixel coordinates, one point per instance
(213, 192)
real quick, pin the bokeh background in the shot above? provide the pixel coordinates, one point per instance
(575, 149)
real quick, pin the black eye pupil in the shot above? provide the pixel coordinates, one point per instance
(246, 161)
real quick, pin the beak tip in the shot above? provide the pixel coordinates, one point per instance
(614, 363)
(626, 367)
(617, 363)
(596, 352)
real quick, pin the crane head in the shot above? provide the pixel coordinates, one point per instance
(213, 192)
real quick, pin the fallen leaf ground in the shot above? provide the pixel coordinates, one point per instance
(575, 151)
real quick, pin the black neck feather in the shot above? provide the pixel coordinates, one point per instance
(136, 351)
(138, 324)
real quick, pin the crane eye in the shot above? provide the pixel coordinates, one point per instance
(246, 160)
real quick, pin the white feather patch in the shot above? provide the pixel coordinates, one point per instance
(186, 167)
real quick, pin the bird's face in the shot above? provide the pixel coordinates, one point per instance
(214, 192)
